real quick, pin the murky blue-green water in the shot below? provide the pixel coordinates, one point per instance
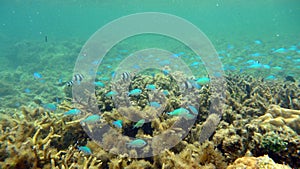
(218, 19)
(46, 37)
(41, 40)
(256, 37)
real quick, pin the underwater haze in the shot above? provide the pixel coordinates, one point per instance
(42, 125)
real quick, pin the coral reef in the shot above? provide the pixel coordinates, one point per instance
(39, 139)
(256, 163)
(259, 118)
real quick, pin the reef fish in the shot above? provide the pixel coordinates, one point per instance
(111, 93)
(37, 75)
(76, 78)
(182, 112)
(190, 84)
(166, 92)
(151, 87)
(118, 123)
(91, 119)
(140, 123)
(257, 65)
(155, 104)
(178, 112)
(280, 50)
(72, 112)
(135, 92)
(258, 42)
(270, 77)
(99, 84)
(126, 76)
(138, 143)
(85, 150)
(193, 110)
(50, 106)
(203, 80)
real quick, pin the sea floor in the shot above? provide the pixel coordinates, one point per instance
(259, 122)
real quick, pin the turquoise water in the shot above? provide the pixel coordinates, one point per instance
(255, 37)
(218, 19)
(232, 26)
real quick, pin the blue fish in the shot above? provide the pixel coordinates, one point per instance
(280, 50)
(265, 66)
(176, 55)
(277, 68)
(50, 106)
(118, 123)
(135, 92)
(136, 67)
(96, 62)
(250, 62)
(203, 80)
(166, 92)
(111, 94)
(270, 77)
(113, 74)
(140, 123)
(72, 112)
(182, 112)
(193, 110)
(60, 81)
(155, 104)
(37, 75)
(230, 47)
(91, 119)
(85, 150)
(99, 84)
(151, 87)
(27, 90)
(165, 71)
(258, 42)
(138, 143)
(255, 54)
(288, 57)
(195, 64)
(296, 60)
(104, 78)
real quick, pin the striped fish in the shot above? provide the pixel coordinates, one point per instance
(190, 84)
(126, 76)
(76, 78)
(69, 83)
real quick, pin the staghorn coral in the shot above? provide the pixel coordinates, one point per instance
(250, 113)
(49, 139)
(32, 142)
(192, 156)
